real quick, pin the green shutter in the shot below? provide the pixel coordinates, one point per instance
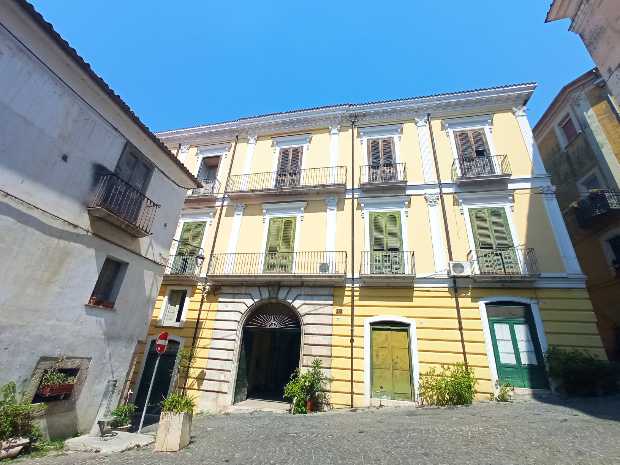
(191, 238)
(386, 256)
(280, 245)
(492, 233)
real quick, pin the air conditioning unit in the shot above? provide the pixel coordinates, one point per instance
(459, 268)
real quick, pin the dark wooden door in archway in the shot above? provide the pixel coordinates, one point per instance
(269, 353)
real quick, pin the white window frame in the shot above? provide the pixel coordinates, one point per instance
(488, 201)
(557, 126)
(205, 216)
(388, 204)
(593, 172)
(607, 250)
(275, 210)
(210, 151)
(486, 330)
(413, 349)
(393, 131)
(484, 122)
(162, 311)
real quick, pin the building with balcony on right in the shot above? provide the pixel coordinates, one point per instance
(579, 141)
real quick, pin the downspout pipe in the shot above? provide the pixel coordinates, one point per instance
(454, 284)
(205, 280)
(352, 328)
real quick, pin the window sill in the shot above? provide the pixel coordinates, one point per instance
(170, 324)
(100, 307)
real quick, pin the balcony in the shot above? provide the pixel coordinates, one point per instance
(509, 264)
(389, 175)
(596, 206)
(122, 205)
(288, 268)
(391, 268)
(481, 169)
(299, 181)
(184, 267)
(210, 187)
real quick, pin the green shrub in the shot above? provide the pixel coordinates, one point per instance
(309, 385)
(454, 385)
(122, 415)
(579, 373)
(178, 402)
(16, 418)
(504, 393)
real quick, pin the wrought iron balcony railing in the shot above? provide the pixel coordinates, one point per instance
(121, 204)
(277, 265)
(381, 175)
(209, 187)
(507, 263)
(387, 267)
(597, 204)
(298, 180)
(186, 265)
(479, 168)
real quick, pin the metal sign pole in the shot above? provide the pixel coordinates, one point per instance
(148, 395)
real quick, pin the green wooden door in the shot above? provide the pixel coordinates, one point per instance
(391, 362)
(188, 249)
(280, 245)
(386, 242)
(518, 357)
(494, 245)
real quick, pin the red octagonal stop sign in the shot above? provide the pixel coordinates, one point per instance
(162, 342)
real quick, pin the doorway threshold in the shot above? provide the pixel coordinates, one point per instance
(259, 405)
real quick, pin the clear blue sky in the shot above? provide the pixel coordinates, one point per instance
(184, 63)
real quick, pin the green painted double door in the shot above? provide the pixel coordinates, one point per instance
(391, 362)
(516, 348)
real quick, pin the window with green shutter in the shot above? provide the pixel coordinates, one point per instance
(386, 242)
(280, 245)
(190, 241)
(494, 246)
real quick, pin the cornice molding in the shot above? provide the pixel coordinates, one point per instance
(440, 106)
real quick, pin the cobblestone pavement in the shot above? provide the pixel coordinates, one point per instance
(523, 432)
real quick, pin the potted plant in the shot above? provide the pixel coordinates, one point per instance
(306, 391)
(121, 417)
(175, 422)
(17, 429)
(55, 383)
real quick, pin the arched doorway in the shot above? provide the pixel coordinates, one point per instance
(270, 350)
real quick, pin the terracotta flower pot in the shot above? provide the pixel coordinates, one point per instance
(53, 390)
(310, 405)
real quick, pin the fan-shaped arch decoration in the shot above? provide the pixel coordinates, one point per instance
(273, 319)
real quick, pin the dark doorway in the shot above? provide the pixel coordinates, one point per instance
(161, 384)
(269, 353)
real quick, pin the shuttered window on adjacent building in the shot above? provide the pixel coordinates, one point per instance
(191, 237)
(471, 143)
(280, 244)
(381, 151)
(173, 313)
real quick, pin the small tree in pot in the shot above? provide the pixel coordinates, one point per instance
(175, 423)
(17, 429)
(121, 417)
(306, 391)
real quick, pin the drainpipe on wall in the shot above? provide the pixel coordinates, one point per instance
(352, 330)
(455, 288)
(205, 280)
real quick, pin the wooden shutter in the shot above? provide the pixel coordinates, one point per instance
(281, 234)
(274, 234)
(290, 160)
(393, 231)
(499, 228)
(481, 227)
(464, 145)
(191, 238)
(295, 163)
(387, 151)
(284, 161)
(287, 241)
(377, 231)
(381, 151)
(374, 152)
(479, 139)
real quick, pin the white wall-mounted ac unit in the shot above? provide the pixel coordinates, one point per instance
(459, 268)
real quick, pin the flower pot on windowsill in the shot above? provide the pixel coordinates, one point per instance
(56, 390)
(173, 433)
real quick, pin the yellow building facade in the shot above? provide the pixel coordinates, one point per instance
(382, 238)
(579, 140)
